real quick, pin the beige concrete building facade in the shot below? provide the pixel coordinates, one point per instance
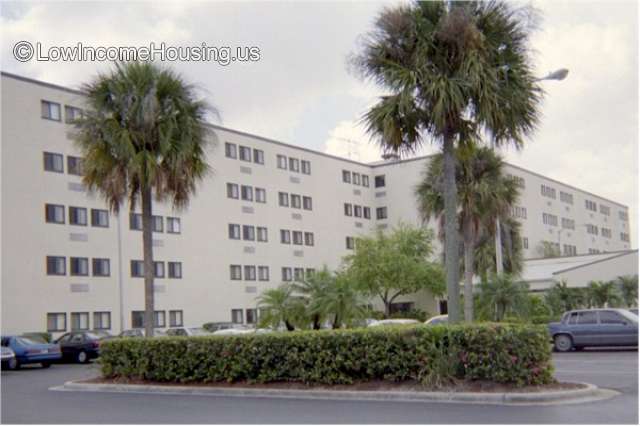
(270, 212)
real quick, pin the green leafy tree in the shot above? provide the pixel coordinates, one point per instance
(502, 295)
(280, 306)
(628, 286)
(602, 294)
(485, 193)
(454, 71)
(389, 265)
(143, 134)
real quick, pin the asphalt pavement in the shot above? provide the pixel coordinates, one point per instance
(26, 398)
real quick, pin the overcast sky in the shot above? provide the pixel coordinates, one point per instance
(302, 92)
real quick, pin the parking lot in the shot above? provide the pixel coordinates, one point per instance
(26, 398)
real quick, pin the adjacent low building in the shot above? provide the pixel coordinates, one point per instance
(270, 212)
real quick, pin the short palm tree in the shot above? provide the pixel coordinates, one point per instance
(143, 134)
(602, 294)
(312, 290)
(280, 306)
(562, 298)
(484, 194)
(501, 294)
(628, 286)
(341, 301)
(454, 71)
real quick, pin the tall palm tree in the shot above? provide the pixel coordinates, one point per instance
(280, 306)
(143, 134)
(501, 295)
(511, 240)
(628, 286)
(454, 71)
(484, 193)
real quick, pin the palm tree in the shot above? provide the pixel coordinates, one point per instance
(143, 134)
(312, 290)
(280, 306)
(501, 295)
(602, 294)
(454, 71)
(484, 193)
(511, 240)
(628, 286)
(341, 301)
(562, 298)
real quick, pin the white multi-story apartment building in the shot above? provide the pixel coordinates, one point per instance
(270, 212)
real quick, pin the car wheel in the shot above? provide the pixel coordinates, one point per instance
(46, 364)
(562, 343)
(82, 357)
(13, 364)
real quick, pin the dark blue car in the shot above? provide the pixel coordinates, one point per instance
(29, 351)
(594, 327)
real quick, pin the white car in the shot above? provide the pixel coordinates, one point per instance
(188, 331)
(379, 323)
(233, 332)
(438, 319)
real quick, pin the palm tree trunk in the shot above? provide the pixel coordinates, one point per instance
(147, 243)
(451, 228)
(468, 271)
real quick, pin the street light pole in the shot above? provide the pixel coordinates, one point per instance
(559, 75)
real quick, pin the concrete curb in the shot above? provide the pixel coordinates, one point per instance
(587, 394)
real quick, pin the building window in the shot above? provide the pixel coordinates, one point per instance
(379, 181)
(74, 165)
(283, 199)
(101, 267)
(249, 273)
(348, 209)
(605, 210)
(590, 205)
(79, 266)
(309, 272)
(175, 269)
(566, 197)
(50, 110)
(137, 268)
(258, 156)
(53, 162)
(623, 215)
(308, 238)
(251, 316)
(79, 321)
(236, 316)
(285, 236)
(236, 272)
(298, 274)
(261, 195)
(547, 191)
(365, 181)
(517, 179)
(350, 243)
(381, 213)
(355, 178)
(592, 229)
(357, 211)
(159, 319)
(263, 273)
(71, 113)
(245, 153)
(519, 212)
(282, 162)
(157, 223)
(173, 225)
(294, 164)
(624, 237)
(99, 218)
(605, 232)
(569, 250)
(56, 321)
(232, 191)
(78, 216)
(366, 212)
(54, 213)
(175, 318)
(296, 202)
(56, 265)
(135, 221)
(346, 176)
(248, 233)
(247, 193)
(525, 242)
(568, 223)
(263, 236)
(297, 238)
(307, 203)
(230, 150)
(286, 274)
(137, 319)
(306, 167)
(158, 269)
(102, 320)
(549, 219)
(234, 231)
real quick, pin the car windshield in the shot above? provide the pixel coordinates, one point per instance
(198, 331)
(25, 341)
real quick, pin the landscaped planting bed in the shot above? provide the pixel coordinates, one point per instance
(433, 356)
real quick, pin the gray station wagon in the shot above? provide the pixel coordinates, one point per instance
(594, 327)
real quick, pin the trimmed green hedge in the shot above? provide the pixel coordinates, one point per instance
(518, 354)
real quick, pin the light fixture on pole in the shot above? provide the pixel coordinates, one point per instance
(560, 74)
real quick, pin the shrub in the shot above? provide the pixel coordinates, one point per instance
(432, 355)
(417, 314)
